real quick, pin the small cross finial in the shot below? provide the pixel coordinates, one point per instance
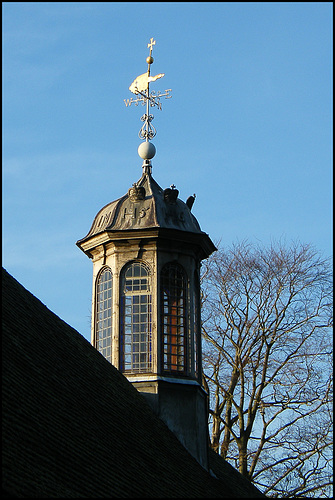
(152, 42)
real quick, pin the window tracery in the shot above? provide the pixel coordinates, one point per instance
(136, 311)
(174, 317)
(103, 317)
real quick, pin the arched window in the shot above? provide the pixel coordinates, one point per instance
(135, 319)
(197, 323)
(174, 317)
(103, 315)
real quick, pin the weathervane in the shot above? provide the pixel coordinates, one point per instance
(140, 87)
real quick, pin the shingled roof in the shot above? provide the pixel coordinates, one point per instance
(74, 427)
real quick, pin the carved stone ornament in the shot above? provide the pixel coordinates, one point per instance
(136, 193)
(170, 195)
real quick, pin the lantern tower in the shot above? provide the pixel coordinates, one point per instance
(146, 248)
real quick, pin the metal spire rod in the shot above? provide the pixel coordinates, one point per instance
(149, 132)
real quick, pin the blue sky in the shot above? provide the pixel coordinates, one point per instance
(248, 129)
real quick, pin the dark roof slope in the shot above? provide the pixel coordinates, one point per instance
(241, 486)
(73, 426)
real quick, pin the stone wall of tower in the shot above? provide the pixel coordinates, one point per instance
(179, 401)
(116, 254)
(155, 253)
(183, 406)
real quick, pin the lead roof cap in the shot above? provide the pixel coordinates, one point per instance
(146, 205)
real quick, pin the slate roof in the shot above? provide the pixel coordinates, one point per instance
(74, 427)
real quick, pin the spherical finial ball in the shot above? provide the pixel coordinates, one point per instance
(146, 150)
(150, 60)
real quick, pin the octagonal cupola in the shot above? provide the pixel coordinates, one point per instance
(147, 229)
(146, 248)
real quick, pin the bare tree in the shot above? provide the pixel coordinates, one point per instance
(267, 346)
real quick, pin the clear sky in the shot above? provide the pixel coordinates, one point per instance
(248, 127)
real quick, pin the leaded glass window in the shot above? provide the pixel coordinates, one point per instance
(103, 323)
(136, 313)
(197, 323)
(174, 317)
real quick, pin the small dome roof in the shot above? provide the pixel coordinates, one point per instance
(146, 205)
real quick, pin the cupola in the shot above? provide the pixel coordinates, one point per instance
(146, 248)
